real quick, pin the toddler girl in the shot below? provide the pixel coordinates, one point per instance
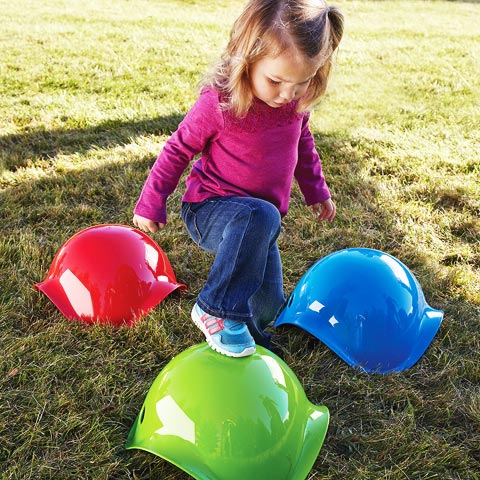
(250, 125)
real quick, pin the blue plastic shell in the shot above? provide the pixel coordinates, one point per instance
(367, 307)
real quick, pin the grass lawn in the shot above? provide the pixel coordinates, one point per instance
(90, 90)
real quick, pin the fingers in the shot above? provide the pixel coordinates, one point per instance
(328, 214)
(327, 209)
(147, 225)
(150, 227)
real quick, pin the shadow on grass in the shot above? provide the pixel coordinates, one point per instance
(41, 215)
(16, 150)
(53, 209)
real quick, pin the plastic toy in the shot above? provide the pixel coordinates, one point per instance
(220, 418)
(367, 307)
(109, 273)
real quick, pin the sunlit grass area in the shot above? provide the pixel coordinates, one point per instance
(90, 90)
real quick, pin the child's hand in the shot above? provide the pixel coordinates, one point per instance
(146, 224)
(327, 210)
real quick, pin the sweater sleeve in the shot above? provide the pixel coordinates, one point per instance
(201, 124)
(308, 172)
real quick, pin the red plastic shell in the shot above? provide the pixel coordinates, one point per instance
(110, 274)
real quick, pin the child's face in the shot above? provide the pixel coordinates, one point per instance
(281, 79)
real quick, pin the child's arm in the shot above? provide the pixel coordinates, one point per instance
(309, 175)
(197, 128)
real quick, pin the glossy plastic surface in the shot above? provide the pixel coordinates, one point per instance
(367, 307)
(222, 418)
(109, 273)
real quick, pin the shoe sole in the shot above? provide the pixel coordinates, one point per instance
(198, 322)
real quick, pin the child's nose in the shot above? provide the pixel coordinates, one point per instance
(288, 94)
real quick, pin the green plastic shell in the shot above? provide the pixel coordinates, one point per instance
(222, 418)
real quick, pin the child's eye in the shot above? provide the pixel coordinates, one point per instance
(273, 82)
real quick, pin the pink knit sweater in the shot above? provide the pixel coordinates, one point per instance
(256, 156)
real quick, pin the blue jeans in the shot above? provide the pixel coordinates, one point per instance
(245, 282)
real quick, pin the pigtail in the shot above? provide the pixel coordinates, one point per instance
(319, 36)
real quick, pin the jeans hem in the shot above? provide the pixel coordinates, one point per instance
(242, 317)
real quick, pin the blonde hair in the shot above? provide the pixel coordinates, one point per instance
(268, 28)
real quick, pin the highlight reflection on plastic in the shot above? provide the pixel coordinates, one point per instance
(109, 273)
(222, 418)
(367, 307)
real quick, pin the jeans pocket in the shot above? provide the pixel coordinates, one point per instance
(189, 219)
